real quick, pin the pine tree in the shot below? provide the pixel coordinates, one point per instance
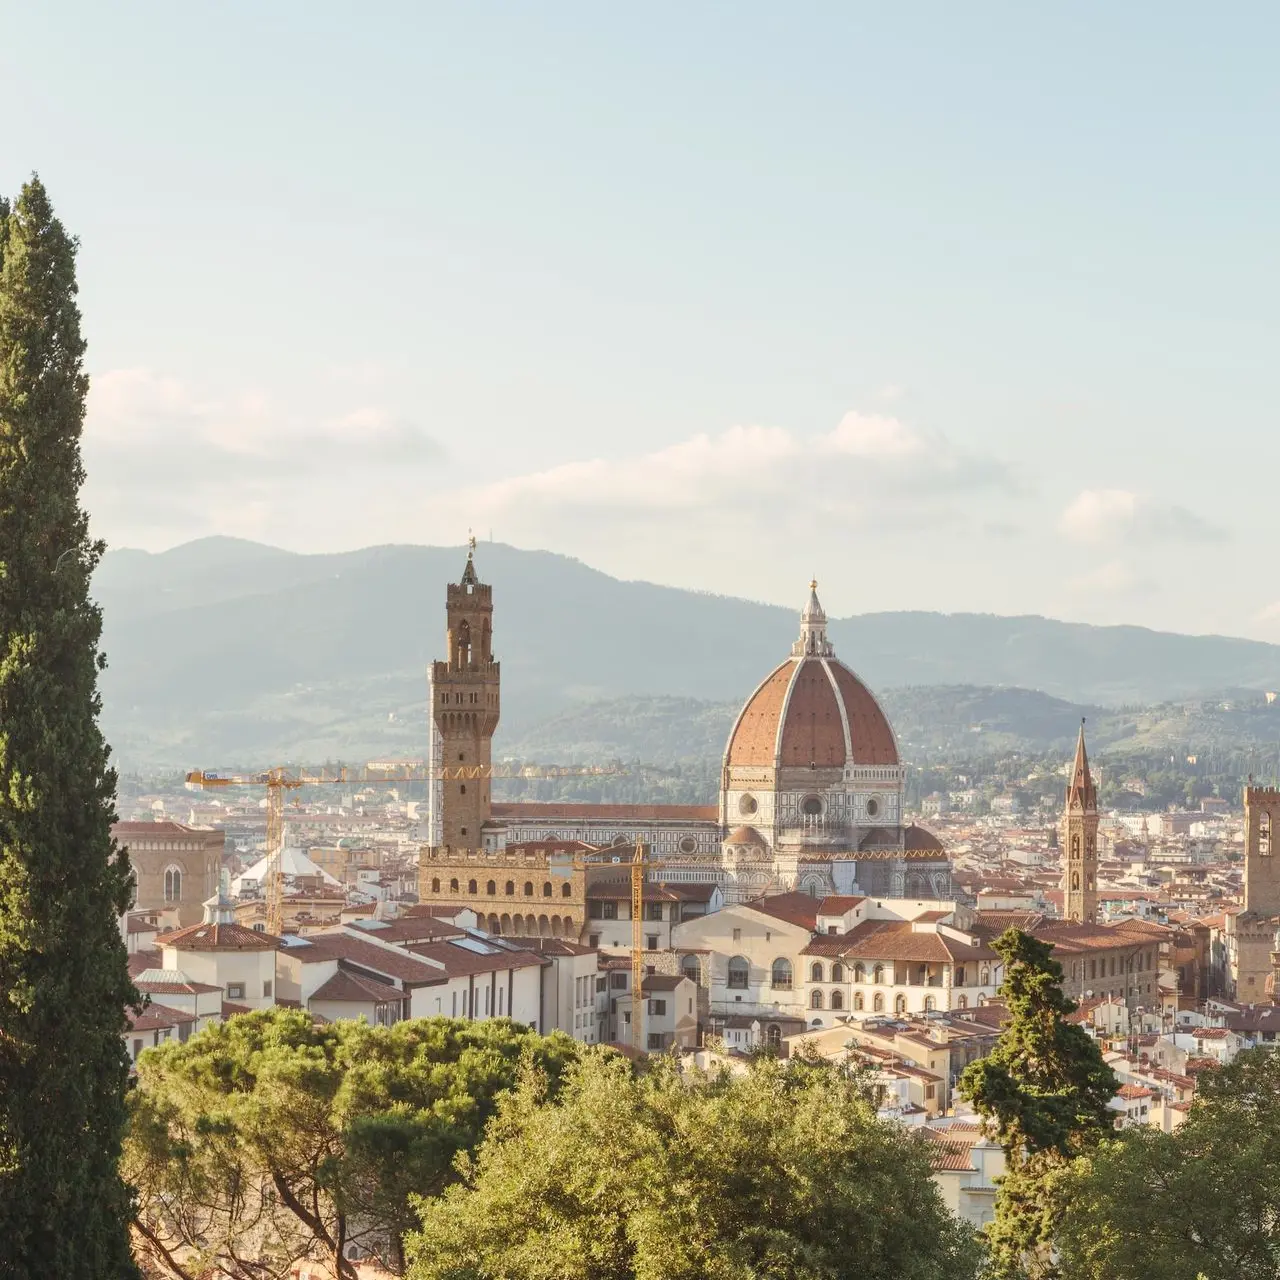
(1044, 1089)
(64, 983)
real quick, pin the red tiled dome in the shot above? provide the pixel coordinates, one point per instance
(794, 720)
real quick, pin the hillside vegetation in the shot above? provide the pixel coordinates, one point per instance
(226, 651)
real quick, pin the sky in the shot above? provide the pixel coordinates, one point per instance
(956, 307)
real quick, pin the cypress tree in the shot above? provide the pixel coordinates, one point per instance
(64, 983)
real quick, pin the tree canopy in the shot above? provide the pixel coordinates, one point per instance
(776, 1173)
(1202, 1201)
(64, 982)
(1044, 1089)
(268, 1139)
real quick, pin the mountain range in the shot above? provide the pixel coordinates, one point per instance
(224, 651)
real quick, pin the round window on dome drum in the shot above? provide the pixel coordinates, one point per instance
(873, 807)
(747, 804)
(812, 806)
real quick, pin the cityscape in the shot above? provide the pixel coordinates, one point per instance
(638, 646)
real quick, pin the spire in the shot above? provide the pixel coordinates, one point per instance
(469, 578)
(813, 640)
(1080, 786)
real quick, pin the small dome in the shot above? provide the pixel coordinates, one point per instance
(746, 835)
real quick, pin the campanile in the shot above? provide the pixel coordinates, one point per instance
(464, 711)
(1080, 842)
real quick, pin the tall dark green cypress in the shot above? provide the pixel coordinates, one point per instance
(64, 981)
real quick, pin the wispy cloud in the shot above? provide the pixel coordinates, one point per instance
(1096, 516)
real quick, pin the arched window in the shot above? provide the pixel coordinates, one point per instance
(780, 975)
(859, 972)
(815, 1000)
(689, 967)
(837, 972)
(739, 973)
(984, 978)
(453, 886)
(773, 1035)
(510, 887)
(491, 888)
(528, 888)
(566, 890)
(815, 971)
(899, 1004)
(471, 886)
(435, 884)
(546, 889)
(877, 974)
(959, 975)
(173, 884)
(962, 1002)
(858, 1002)
(930, 1004)
(877, 1004)
(837, 999)
(1075, 879)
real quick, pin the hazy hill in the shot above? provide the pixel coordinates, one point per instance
(224, 650)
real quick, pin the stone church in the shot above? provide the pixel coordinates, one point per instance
(811, 794)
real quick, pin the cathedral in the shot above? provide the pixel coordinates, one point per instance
(811, 793)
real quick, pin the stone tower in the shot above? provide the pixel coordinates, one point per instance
(1080, 842)
(1261, 863)
(464, 711)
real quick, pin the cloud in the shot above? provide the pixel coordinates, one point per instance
(1096, 516)
(165, 461)
(1110, 579)
(866, 465)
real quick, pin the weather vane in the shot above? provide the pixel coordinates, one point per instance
(471, 542)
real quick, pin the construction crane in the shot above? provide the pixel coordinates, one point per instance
(278, 782)
(399, 773)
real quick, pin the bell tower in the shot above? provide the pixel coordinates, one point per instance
(1080, 842)
(464, 711)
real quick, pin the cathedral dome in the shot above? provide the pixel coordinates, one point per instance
(811, 711)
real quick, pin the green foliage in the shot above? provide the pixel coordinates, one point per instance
(776, 1173)
(270, 1138)
(1203, 1201)
(1044, 1088)
(64, 981)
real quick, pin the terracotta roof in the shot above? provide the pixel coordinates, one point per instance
(156, 1017)
(745, 835)
(661, 982)
(948, 1154)
(1132, 1091)
(218, 937)
(230, 1010)
(794, 719)
(167, 982)
(394, 962)
(836, 904)
(461, 961)
(353, 988)
(795, 908)
(999, 921)
(896, 940)
(174, 830)
(637, 813)
(141, 961)
(410, 929)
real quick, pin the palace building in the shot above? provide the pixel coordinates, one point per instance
(811, 796)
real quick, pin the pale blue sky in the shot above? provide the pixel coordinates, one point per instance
(957, 306)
